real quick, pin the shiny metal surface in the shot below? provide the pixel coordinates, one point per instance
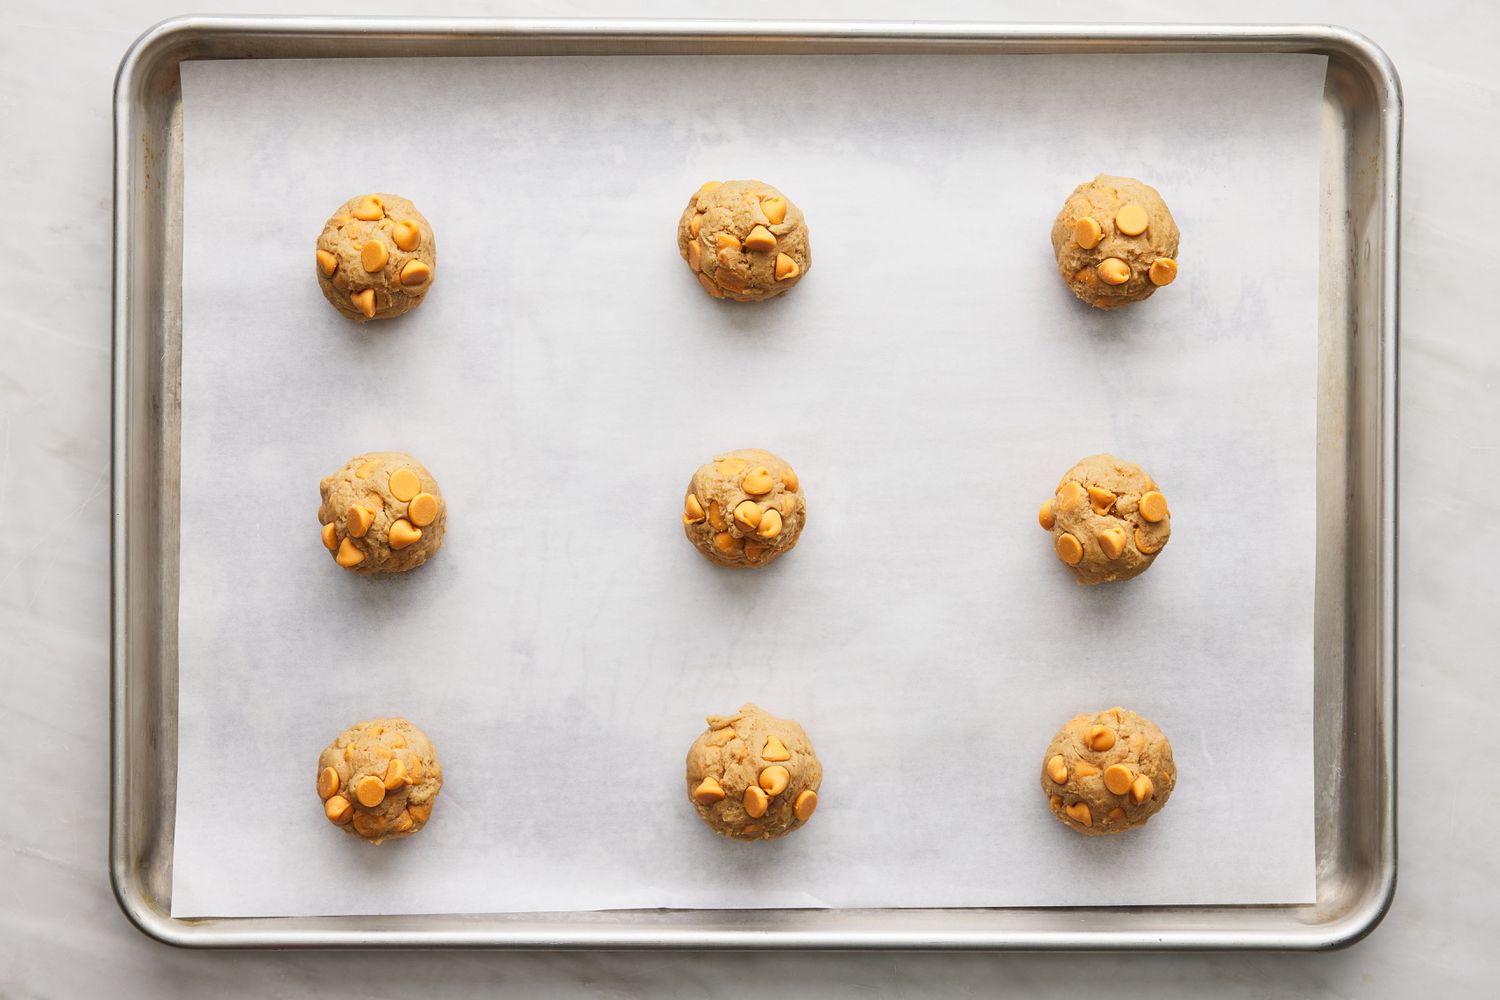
(1355, 618)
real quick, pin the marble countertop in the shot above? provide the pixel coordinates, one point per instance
(60, 932)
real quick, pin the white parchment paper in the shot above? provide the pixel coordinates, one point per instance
(930, 380)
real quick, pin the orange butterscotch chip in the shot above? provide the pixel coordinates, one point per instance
(760, 238)
(1069, 549)
(1153, 506)
(328, 782)
(1117, 778)
(1057, 769)
(708, 791)
(404, 484)
(330, 537)
(774, 779)
(775, 750)
(1141, 789)
(370, 791)
(775, 209)
(1099, 737)
(402, 534)
(357, 522)
(414, 272)
(1132, 220)
(370, 208)
(1046, 517)
(1145, 542)
(1070, 494)
(806, 802)
(1112, 541)
(786, 268)
(756, 802)
(348, 554)
(364, 301)
(1163, 271)
(406, 235)
(1079, 813)
(373, 256)
(1100, 499)
(422, 510)
(1087, 232)
(338, 809)
(327, 262)
(1085, 770)
(1113, 271)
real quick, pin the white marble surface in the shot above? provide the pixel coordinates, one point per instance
(60, 934)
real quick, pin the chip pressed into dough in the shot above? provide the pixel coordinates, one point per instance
(376, 257)
(382, 513)
(752, 776)
(744, 240)
(1108, 772)
(379, 779)
(1115, 241)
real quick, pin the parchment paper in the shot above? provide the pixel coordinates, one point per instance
(930, 380)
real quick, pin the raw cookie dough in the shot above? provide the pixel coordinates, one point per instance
(376, 257)
(1107, 518)
(379, 779)
(382, 513)
(1115, 241)
(744, 240)
(744, 508)
(1108, 772)
(753, 776)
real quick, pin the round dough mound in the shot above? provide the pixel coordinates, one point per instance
(379, 779)
(376, 243)
(753, 776)
(1108, 520)
(744, 508)
(1108, 772)
(1102, 200)
(382, 513)
(744, 240)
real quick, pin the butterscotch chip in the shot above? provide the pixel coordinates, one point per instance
(708, 791)
(1163, 271)
(1132, 220)
(382, 513)
(763, 499)
(1069, 548)
(1087, 232)
(375, 787)
(1113, 271)
(362, 275)
(744, 240)
(774, 779)
(1113, 536)
(754, 800)
(1115, 764)
(1107, 238)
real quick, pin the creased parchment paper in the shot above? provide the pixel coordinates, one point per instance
(930, 380)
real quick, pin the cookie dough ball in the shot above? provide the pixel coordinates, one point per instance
(382, 513)
(753, 776)
(1108, 520)
(744, 240)
(744, 508)
(379, 779)
(376, 257)
(1115, 241)
(1108, 772)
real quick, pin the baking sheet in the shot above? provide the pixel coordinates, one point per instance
(930, 380)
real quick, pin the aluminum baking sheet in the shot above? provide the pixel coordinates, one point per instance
(958, 928)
